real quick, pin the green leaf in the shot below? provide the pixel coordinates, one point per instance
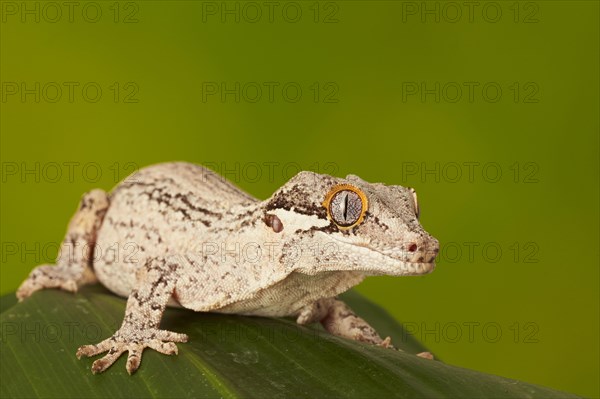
(227, 356)
(7, 301)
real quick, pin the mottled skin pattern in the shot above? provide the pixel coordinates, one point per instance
(178, 234)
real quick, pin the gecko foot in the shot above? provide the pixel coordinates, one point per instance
(134, 342)
(46, 276)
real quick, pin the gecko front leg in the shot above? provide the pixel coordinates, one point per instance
(156, 282)
(338, 319)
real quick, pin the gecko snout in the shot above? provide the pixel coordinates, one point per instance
(423, 250)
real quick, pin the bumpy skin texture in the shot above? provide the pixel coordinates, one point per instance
(178, 234)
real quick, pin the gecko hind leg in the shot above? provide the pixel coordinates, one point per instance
(74, 263)
(140, 328)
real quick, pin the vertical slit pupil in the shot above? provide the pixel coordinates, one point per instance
(346, 207)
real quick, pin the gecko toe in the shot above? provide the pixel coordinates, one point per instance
(93, 350)
(69, 285)
(425, 355)
(165, 335)
(134, 359)
(23, 292)
(102, 364)
(27, 288)
(83, 350)
(166, 348)
(386, 343)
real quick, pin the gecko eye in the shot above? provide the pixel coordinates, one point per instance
(346, 206)
(414, 194)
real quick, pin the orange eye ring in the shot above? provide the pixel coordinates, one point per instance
(357, 217)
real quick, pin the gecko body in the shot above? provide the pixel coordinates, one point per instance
(177, 234)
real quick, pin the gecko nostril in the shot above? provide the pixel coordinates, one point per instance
(412, 247)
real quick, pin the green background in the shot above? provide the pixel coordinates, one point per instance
(540, 293)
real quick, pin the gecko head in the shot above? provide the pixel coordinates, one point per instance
(333, 224)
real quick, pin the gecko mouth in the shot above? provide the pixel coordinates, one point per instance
(401, 255)
(405, 267)
(393, 262)
(418, 268)
(402, 268)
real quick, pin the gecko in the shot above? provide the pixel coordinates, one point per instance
(179, 234)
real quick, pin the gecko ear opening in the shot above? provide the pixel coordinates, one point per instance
(273, 222)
